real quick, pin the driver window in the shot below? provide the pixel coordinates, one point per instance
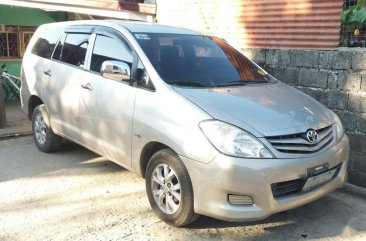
(109, 48)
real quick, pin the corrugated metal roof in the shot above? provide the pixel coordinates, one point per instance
(292, 24)
(109, 8)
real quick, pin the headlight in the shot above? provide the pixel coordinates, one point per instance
(339, 127)
(233, 141)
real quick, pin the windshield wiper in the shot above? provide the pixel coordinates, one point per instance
(187, 83)
(242, 82)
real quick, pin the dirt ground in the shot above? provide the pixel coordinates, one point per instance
(76, 195)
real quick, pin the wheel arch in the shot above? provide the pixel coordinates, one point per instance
(147, 152)
(34, 101)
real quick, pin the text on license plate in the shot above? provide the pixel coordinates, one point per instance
(318, 180)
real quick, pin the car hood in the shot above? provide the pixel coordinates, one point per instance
(262, 109)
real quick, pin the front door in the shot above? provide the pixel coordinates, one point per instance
(106, 106)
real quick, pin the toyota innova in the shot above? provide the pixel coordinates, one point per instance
(211, 132)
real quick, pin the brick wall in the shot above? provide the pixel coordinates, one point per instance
(335, 78)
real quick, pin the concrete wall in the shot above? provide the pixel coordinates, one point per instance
(335, 78)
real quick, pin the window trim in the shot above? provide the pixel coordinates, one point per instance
(89, 52)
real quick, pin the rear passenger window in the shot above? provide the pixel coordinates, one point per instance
(74, 49)
(46, 42)
(108, 48)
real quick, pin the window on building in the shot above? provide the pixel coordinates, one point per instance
(25, 38)
(14, 40)
(9, 45)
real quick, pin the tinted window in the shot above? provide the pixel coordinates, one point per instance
(108, 48)
(46, 42)
(74, 48)
(200, 61)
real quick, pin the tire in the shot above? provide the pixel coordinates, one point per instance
(46, 140)
(180, 212)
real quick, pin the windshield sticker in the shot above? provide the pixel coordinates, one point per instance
(142, 36)
(202, 40)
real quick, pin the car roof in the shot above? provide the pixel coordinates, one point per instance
(143, 27)
(134, 27)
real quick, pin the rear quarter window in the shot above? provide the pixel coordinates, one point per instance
(46, 43)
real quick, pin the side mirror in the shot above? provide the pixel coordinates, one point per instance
(115, 70)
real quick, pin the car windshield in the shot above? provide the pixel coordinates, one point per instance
(198, 61)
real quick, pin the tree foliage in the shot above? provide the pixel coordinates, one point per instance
(354, 16)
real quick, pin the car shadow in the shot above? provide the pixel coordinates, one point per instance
(20, 158)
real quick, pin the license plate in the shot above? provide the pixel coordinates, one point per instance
(318, 180)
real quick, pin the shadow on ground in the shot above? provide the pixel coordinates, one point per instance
(20, 158)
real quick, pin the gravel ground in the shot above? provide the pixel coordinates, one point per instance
(76, 195)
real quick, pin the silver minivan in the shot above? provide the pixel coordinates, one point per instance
(211, 132)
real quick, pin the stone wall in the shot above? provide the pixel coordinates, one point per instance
(335, 78)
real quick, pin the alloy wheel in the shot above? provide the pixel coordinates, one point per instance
(40, 129)
(166, 189)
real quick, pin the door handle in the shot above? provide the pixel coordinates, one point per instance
(48, 72)
(87, 86)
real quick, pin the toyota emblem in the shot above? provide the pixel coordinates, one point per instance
(312, 136)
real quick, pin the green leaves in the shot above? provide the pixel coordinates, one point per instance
(354, 17)
(359, 17)
(361, 3)
(345, 15)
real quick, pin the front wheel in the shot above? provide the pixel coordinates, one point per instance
(169, 189)
(46, 140)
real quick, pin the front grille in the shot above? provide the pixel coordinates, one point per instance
(297, 143)
(281, 189)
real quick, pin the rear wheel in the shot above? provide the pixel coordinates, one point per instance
(46, 140)
(169, 189)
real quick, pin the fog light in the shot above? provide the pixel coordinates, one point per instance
(240, 199)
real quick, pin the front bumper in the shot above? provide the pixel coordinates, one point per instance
(214, 181)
